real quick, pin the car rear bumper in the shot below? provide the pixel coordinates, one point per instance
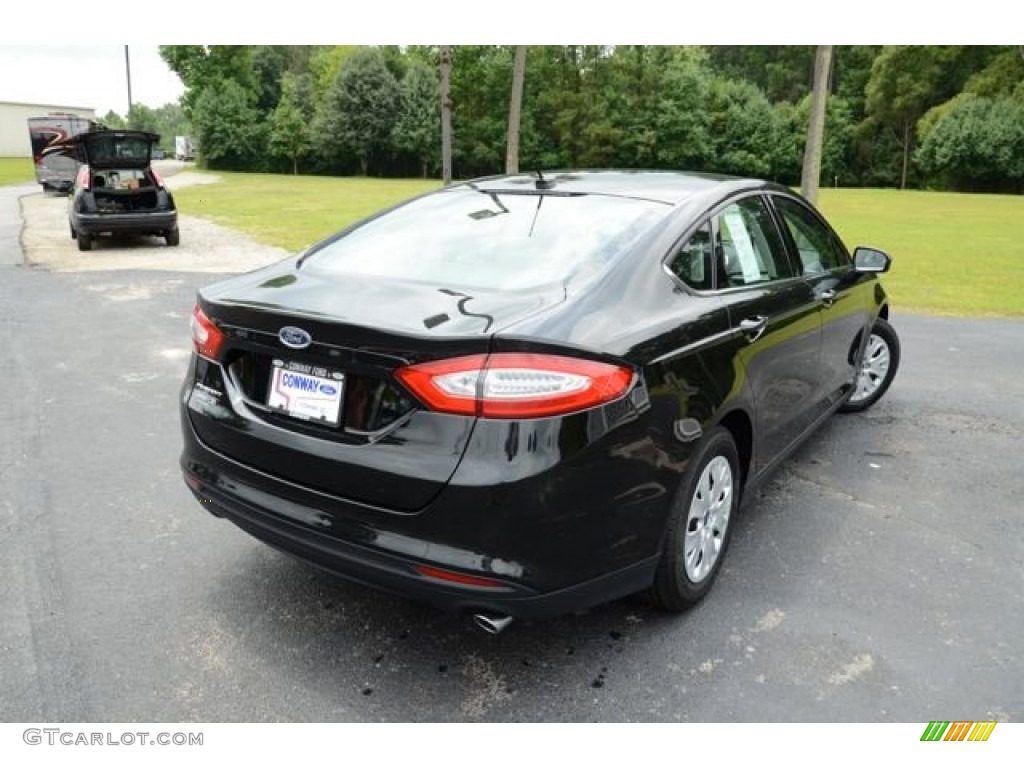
(94, 223)
(270, 510)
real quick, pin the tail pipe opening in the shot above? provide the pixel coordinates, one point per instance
(491, 624)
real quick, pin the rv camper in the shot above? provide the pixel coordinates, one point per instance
(56, 171)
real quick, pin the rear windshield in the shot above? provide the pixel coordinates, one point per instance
(490, 240)
(107, 150)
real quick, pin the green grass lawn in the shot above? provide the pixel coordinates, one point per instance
(953, 254)
(16, 170)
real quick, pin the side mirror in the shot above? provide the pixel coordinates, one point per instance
(871, 260)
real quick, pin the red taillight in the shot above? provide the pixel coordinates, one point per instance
(457, 578)
(515, 385)
(206, 336)
(157, 178)
(83, 178)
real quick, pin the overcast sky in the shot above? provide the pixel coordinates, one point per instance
(86, 76)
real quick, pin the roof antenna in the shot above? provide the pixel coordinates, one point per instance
(541, 182)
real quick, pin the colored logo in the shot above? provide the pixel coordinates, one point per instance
(327, 389)
(295, 338)
(958, 731)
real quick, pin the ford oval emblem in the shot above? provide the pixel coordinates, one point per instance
(329, 390)
(295, 338)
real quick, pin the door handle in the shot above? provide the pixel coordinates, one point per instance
(753, 327)
(828, 297)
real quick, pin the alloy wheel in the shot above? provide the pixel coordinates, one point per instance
(873, 369)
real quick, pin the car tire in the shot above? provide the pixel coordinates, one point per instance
(877, 368)
(84, 242)
(172, 236)
(700, 525)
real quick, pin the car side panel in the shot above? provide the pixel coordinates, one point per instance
(781, 367)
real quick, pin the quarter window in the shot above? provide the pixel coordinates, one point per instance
(748, 249)
(816, 245)
(692, 262)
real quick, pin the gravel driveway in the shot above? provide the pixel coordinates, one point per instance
(205, 246)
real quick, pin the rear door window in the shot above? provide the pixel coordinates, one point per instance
(748, 249)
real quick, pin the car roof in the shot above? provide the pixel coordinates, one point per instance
(669, 187)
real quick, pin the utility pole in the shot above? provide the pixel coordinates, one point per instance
(128, 75)
(446, 115)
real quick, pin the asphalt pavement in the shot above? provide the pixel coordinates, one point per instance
(877, 577)
(10, 222)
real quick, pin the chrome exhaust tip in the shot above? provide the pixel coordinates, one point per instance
(492, 625)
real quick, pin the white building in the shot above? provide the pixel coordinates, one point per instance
(14, 141)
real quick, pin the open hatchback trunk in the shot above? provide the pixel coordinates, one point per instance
(108, 149)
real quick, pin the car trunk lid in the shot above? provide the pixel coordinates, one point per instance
(108, 149)
(378, 446)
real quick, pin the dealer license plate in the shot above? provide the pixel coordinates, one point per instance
(306, 392)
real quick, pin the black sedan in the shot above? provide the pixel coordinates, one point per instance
(526, 395)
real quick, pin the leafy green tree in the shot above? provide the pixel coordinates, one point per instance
(359, 111)
(480, 75)
(977, 144)
(113, 120)
(418, 128)
(142, 118)
(171, 121)
(168, 121)
(203, 66)
(639, 80)
(851, 70)
(271, 64)
(907, 80)
(290, 130)
(838, 140)
(744, 127)
(901, 89)
(231, 131)
(325, 62)
(681, 119)
(782, 72)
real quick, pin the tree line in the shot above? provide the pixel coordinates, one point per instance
(922, 116)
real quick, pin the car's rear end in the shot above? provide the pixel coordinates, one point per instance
(116, 190)
(122, 200)
(364, 411)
